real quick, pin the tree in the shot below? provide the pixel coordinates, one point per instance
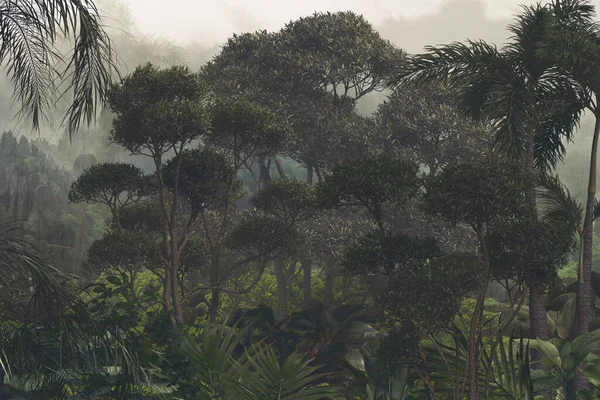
(480, 195)
(370, 182)
(427, 121)
(573, 26)
(291, 203)
(30, 32)
(115, 184)
(532, 109)
(160, 111)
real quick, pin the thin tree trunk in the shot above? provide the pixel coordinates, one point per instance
(280, 170)
(329, 281)
(264, 176)
(175, 295)
(474, 333)
(167, 291)
(307, 263)
(306, 282)
(214, 283)
(282, 301)
(584, 291)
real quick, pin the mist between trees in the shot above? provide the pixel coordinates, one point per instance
(315, 212)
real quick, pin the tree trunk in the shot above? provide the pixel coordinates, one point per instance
(307, 263)
(537, 310)
(329, 281)
(282, 311)
(167, 291)
(584, 290)
(473, 351)
(264, 176)
(306, 282)
(538, 318)
(214, 283)
(175, 295)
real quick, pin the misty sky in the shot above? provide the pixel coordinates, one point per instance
(213, 21)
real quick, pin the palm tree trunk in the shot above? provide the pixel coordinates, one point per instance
(584, 290)
(538, 318)
(537, 310)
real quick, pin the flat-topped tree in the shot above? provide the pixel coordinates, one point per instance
(161, 111)
(339, 53)
(321, 64)
(158, 110)
(244, 129)
(117, 185)
(427, 121)
(370, 182)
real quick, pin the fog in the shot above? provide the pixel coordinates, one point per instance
(211, 22)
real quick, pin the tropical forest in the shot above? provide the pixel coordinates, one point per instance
(329, 209)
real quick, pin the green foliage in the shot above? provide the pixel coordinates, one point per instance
(246, 129)
(31, 33)
(389, 254)
(129, 250)
(289, 201)
(157, 109)
(264, 238)
(529, 250)
(114, 184)
(370, 182)
(143, 216)
(426, 120)
(259, 375)
(339, 52)
(478, 193)
(205, 179)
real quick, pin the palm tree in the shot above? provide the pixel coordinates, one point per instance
(48, 335)
(574, 45)
(532, 108)
(31, 32)
(529, 103)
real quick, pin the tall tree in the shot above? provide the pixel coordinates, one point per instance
(531, 108)
(574, 45)
(159, 112)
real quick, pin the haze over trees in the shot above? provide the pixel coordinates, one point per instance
(243, 229)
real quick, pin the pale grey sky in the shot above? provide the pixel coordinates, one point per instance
(213, 21)
(409, 24)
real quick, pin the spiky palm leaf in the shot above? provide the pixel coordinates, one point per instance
(511, 88)
(29, 33)
(260, 376)
(47, 334)
(556, 203)
(211, 358)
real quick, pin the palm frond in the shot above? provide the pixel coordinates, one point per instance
(556, 203)
(455, 64)
(29, 33)
(259, 375)
(47, 332)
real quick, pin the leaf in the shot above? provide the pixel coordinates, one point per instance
(593, 374)
(585, 344)
(114, 280)
(355, 359)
